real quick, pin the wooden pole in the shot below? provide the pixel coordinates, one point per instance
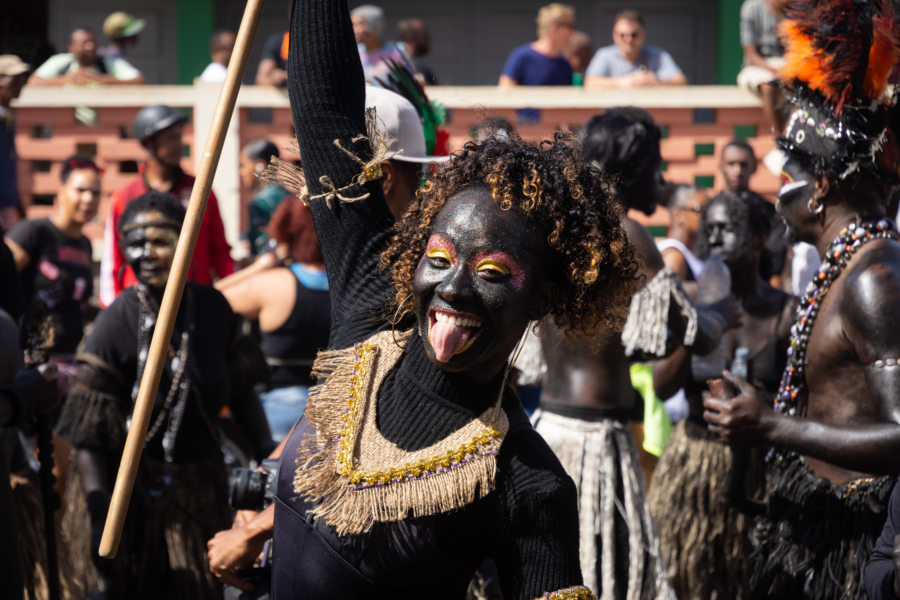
(159, 344)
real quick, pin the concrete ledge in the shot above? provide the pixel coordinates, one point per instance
(698, 96)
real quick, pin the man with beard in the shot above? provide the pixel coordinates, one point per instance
(835, 431)
(82, 65)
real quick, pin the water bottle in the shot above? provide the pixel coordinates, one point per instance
(713, 285)
(739, 365)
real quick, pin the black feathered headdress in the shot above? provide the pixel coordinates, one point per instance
(839, 55)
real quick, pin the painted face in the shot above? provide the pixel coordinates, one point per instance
(737, 167)
(480, 281)
(79, 196)
(726, 236)
(149, 249)
(796, 190)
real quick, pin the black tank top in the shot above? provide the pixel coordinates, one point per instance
(291, 348)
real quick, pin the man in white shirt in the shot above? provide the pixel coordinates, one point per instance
(221, 45)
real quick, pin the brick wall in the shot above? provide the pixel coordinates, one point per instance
(696, 121)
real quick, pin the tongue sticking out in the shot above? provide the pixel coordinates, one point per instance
(447, 339)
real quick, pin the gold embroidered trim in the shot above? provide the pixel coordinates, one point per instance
(351, 417)
(421, 468)
(573, 593)
(356, 476)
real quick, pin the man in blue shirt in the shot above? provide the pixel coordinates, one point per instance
(628, 62)
(542, 62)
(13, 73)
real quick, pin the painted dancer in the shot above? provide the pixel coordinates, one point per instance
(407, 501)
(588, 400)
(835, 430)
(704, 536)
(180, 496)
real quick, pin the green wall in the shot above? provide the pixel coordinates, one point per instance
(194, 26)
(729, 55)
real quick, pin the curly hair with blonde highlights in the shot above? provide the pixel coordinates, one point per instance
(592, 262)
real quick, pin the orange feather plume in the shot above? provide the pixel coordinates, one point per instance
(883, 54)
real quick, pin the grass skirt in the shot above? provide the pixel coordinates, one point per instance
(29, 507)
(163, 551)
(815, 538)
(705, 541)
(619, 547)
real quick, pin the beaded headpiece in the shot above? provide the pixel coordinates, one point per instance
(838, 56)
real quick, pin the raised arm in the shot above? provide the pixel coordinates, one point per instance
(327, 94)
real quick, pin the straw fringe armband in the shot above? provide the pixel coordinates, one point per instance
(293, 179)
(646, 327)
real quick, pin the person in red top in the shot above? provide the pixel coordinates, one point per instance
(159, 129)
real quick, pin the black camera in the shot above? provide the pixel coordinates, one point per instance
(253, 489)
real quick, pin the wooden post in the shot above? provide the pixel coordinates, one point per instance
(159, 344)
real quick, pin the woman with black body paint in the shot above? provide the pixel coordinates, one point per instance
(414, 461)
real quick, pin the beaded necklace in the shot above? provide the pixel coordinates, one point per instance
(172, 411)
(792, 391)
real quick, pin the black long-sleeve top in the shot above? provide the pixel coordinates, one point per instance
(529, 524)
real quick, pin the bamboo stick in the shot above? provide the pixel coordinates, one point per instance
(159, 344)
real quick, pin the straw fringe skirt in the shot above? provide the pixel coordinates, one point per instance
(619, 547)
(815, 537)
(163, 548)
(705, 541)
(29, 507)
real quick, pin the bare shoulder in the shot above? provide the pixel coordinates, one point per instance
(675, 260)
(644, 247)
(870, 304)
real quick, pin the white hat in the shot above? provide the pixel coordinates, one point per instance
(397, 119)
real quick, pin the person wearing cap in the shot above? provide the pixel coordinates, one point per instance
(83, 65)
(159, 129)
(122, 29)
(13, 74)
(368, 28)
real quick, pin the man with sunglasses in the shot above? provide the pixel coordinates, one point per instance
(628, 62)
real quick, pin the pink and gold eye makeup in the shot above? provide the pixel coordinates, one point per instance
(500, 263)
(440, 247)
(494, 262)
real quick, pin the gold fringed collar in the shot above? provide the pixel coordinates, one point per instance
(357, 476)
